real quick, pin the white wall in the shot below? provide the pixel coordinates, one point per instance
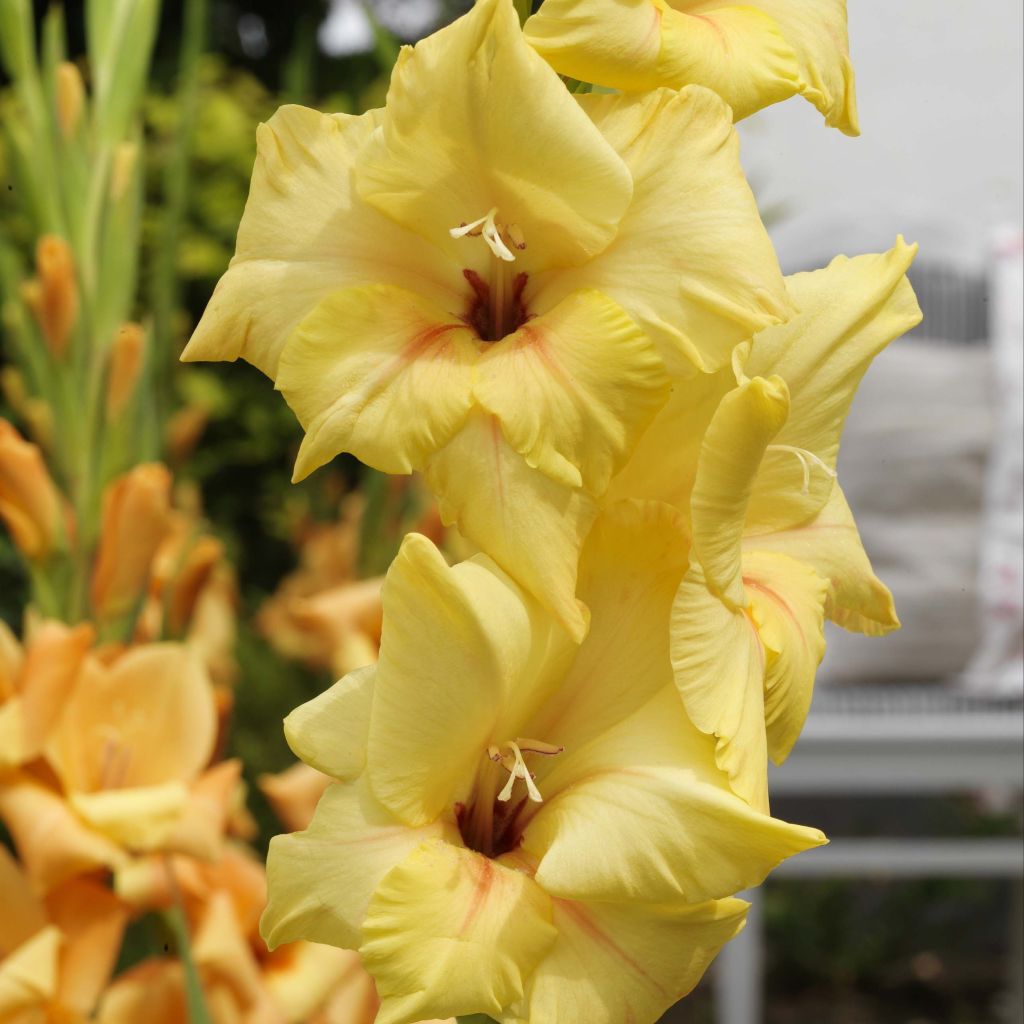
(939, 85)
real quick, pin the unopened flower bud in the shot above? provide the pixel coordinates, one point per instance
(123, 370)
(55, 304)
(38, 416)
(30, 504)
(70, 98)
(12, 385)
(136, 510)
(183, 431)
(125, 156)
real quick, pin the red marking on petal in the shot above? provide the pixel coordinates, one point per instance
(426, 340)
(776, 598)
(484, 883)
(586, 924)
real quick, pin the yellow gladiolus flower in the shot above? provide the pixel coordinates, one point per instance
(511, 807)
(775, 548)
(752, 55)
(482, 282)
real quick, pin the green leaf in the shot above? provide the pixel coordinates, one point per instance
(121, 35)
(17, 38)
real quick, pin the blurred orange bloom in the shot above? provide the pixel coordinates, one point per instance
(34, 684)
(55, 954)
(241, 980)
(126, 760)
(30, 504)
(294, 794)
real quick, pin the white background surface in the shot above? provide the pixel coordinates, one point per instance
(939, 85)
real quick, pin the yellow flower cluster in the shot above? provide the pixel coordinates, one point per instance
(561, 308)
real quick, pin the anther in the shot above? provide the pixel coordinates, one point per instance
(510, 757)
(488, 227)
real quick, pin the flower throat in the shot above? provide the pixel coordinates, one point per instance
(496, 306)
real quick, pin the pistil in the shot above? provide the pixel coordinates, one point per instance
(807, 459)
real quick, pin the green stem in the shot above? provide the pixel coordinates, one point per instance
(164, 284)
(175, 917)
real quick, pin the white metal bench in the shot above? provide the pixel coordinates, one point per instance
(908, 741)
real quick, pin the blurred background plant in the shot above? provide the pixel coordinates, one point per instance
(124, 179)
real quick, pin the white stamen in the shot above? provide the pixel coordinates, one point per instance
(806, 458)
(487, 227)
(514, 764)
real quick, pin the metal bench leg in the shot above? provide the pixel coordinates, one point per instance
(738, 971)
(1015, 1009)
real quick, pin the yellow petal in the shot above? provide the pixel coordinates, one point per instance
(738, 51)
(820, 41)
(28, 976)
(746, 421)
(465, 658)
(787, 601)
(306, 234)
(378, 372)
(653, 775)
(330, 732)
(631, 566)
(626, 962)
(92, 920)
(141, 817)
(320, 881)
(573, 389)
(664, 463)
(751, 54)
(476, 120)
(848, 313)
(692, 262)
(148, 719)
(449, 932)
(532, 526)
(53, 843)
(857, 600)
(719, 665)
(609, 42)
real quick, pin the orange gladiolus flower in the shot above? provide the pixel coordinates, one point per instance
(35, 683)
(55, 954)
